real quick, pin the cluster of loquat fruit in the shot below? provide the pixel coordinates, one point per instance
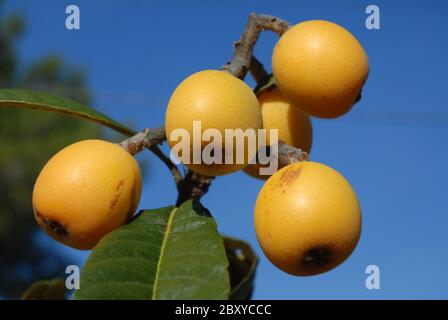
(307, 216)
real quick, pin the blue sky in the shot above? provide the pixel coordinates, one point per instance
(390, 146)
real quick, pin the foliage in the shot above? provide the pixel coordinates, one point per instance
(242, 266)
(46, 290)
(168, 253)
(27, 140)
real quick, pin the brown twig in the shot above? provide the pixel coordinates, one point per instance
(177, 175)
(193, 185)
(149, 139)
(240, 63)
(288, 154)
(257, 70)
(144, 139)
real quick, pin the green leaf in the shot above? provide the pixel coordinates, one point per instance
(266, 84)
(168, 253)
(243, 263)
(46, 290)
(18, 98)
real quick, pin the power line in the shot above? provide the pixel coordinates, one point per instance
(139, 100)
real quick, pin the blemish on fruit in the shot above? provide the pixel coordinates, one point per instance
(117, 195)
(133, 202)
(289, 176)
(119, 185)
(317, 257)
(53, 225)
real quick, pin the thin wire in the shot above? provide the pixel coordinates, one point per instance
(143, 100)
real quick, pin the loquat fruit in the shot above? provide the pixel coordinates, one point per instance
(85, 191)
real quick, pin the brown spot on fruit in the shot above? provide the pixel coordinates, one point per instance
(114, 201)
(119, 185)
(52, 225)
(57, 228)
(133, 202)
(117, 195)
(290, 175)
(317, 257)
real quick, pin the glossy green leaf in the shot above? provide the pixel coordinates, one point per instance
(46, 290)
(18, 98)
(242, 266)
(168, 253)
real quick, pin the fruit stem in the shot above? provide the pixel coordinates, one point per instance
(144, 139)
(258, 71)
(288, 154)
(192, 185)
(240, 63)
(149, 139)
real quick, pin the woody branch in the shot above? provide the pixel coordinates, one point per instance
(194, 185)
